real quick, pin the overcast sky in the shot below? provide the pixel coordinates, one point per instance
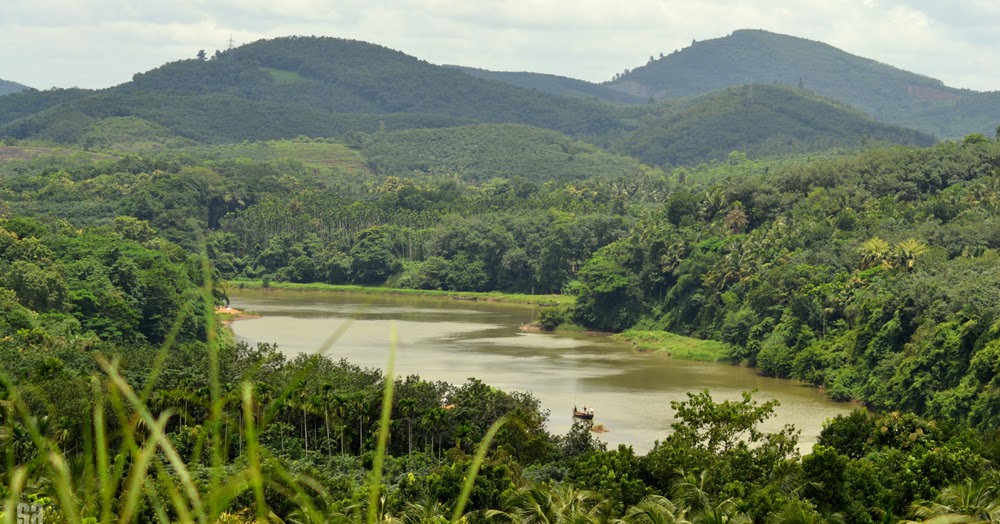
(100, 43)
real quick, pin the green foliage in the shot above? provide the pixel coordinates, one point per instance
(608, 295)
(551, 318)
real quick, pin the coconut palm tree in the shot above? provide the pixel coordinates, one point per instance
(655, 509)
(968, 502)
(552, 504)
(407, 407)
(691, 495)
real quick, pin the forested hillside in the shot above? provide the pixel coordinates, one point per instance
(754, 56)
(759, 121)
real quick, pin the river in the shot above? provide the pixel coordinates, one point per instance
(453, 340)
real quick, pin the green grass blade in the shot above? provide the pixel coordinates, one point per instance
(470, 477)
(16, 486)
(101, 448)
(211, 336)
(256, 475)
(383, 430)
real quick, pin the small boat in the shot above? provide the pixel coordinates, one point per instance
(586, 414)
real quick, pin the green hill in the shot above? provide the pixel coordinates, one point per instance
(7, 87)
(753, 56)
(326, 87)
(759, 120)
(292, 86)
(558, 85)
(348, 76)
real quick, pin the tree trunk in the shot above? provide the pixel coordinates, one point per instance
(326, 422)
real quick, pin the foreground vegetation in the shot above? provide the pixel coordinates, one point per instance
(870, 273)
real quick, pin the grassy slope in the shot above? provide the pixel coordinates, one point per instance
(312, 154)
(677, 346)
(479, 153)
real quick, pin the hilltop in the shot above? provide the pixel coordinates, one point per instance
(7, 87)
(754, 56)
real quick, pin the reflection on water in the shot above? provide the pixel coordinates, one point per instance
(456, 340)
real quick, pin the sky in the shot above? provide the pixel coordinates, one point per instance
(101, 43)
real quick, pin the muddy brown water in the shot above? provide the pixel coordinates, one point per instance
(452, 340)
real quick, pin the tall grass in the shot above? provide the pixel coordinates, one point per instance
(130, 466)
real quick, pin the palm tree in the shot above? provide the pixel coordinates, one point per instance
(736, 219)
(407, 407)
(433, 420)
(802, 512)
(655, 509)
(551, 504)
(968, 502)
(693, 497)
(874, 251)
(324, 400)
(907, 251)
(360, 405)
(430, 511)
(340, 406)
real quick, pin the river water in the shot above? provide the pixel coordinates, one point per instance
(453, 340)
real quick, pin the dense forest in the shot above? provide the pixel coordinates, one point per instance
(804, 239)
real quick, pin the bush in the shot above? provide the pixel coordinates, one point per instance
(551, 318)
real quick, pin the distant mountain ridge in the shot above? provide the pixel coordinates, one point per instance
(327, 87)
(7, 87)
(755, 56)
(558, 85)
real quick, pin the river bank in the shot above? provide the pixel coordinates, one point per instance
(452, 340)
(672, 344)
(492, 296)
